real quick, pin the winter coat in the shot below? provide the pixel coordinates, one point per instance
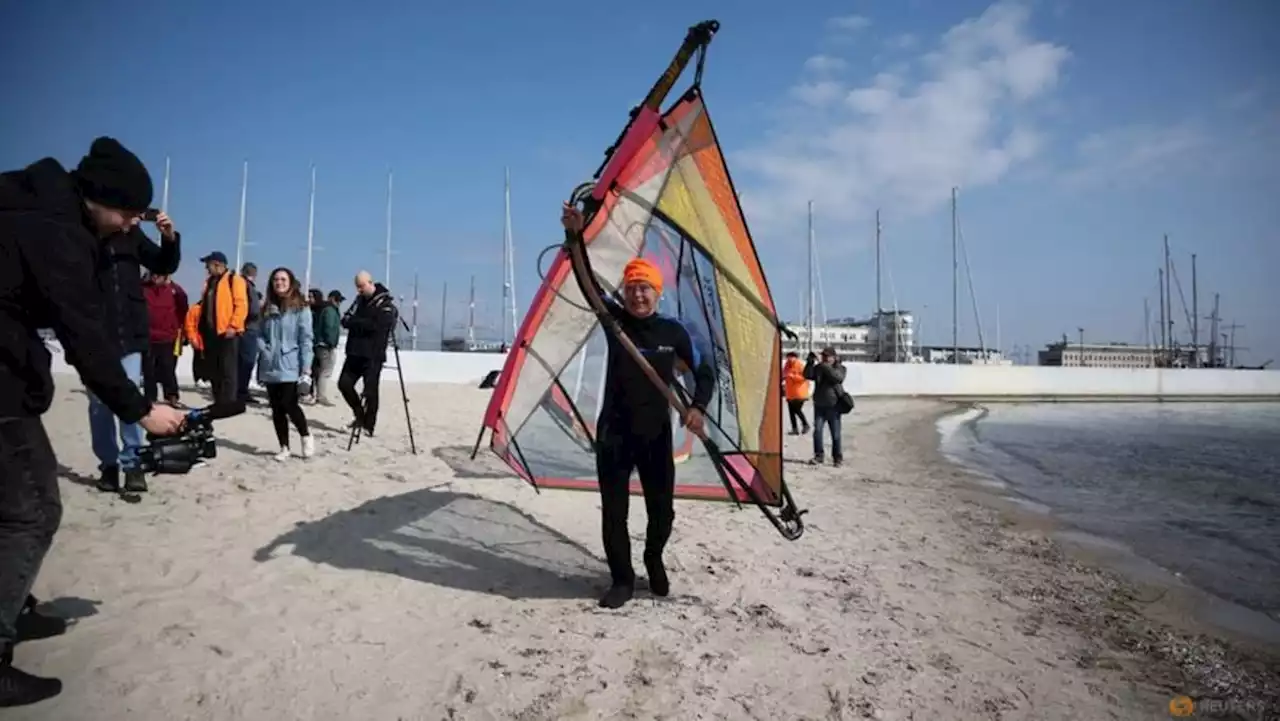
(795, 385)
(285, 344)
(50, 279)
(827, 380)
(328, 325)
(120, 275)
(369, 323)
(166, 310)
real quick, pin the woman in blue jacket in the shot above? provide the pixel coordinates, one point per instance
(284, 357)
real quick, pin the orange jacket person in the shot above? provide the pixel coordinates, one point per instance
(215, 324)
(796, 388)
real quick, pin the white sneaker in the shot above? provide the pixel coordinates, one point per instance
(283, 455)
(308, 446)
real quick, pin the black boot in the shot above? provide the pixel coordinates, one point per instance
(658, 582)
(33, 625)
(135, 481)
(109, 481)
(617, 595)
(19, 688)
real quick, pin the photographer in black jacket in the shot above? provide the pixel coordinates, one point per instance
(53, 225)
(369, 322)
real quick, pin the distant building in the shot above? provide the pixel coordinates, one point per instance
(968, 355)
(1098, 355)
(888, 336)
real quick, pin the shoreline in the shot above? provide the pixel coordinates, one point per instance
(1179, 635)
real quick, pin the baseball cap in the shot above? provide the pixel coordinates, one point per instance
(215, 255)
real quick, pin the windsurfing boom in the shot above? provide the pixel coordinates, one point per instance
(663, 192)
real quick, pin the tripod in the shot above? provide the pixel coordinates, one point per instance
(356, 427)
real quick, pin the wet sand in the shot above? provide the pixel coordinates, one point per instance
(376, 584)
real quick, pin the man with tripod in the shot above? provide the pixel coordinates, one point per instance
(369, 321)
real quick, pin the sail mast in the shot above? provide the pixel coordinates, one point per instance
(508, 262)
(241, 241)
(311, 226)
(811, 268)
(164, 197)
(386, 278)
(955, 283)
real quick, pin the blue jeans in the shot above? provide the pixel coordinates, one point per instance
(829, 417)
(102, 426)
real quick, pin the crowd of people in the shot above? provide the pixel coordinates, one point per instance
(79, 264)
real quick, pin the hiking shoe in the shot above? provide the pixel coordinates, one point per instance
(33, 625)
(109, 480)
(19, 688)
(135, 481)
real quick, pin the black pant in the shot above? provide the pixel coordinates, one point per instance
(616, 457)
(248, 358)
(30, 512)
(160, 368)
(368, 370)
(284, 408)
(221, 366)
(796, 409)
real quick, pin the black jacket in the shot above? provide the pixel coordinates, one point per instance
(827, 380)
(49, 265)
(632, 406)
(369, 322)
(120, 275)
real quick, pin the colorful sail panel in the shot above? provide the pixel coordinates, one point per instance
(673, 203)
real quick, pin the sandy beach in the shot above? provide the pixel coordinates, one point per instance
(376, 584)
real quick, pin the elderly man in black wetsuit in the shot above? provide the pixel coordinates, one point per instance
(633, 431)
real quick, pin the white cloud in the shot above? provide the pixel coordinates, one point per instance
(821, 64)
(849, 23)
(957, 115)
(1131, 154)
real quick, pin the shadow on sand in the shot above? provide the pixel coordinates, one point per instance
(449, 539)
(485, 465)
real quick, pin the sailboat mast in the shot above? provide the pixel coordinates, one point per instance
(444, 311)
(1168, 298)
(164, 197)
(810, 308)
(311, 229)
(413, 332)
(508, 262)
(955, 284)
(879, 305)
(386, 278)
(1195, 316)
(244, 199)
(471, 313)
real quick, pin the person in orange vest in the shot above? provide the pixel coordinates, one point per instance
(796, 388)
(216, 323)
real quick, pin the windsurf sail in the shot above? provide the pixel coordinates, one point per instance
(663, 193)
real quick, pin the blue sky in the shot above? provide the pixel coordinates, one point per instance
(1078, 134)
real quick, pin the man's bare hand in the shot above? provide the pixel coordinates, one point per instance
(696, 423)
(163, 420)
(165, 225)
(571, 218)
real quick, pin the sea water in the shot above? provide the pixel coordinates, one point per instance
(1194, 488)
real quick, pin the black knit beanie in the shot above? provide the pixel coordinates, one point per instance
(112, 176)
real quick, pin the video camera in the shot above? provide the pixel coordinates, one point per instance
(177, 454)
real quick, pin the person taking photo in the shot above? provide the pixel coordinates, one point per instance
(53, 227)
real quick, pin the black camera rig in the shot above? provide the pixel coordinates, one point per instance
(177, 454)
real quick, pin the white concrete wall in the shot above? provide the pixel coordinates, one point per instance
(423, 366)
(903, 379)
(994, 382)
